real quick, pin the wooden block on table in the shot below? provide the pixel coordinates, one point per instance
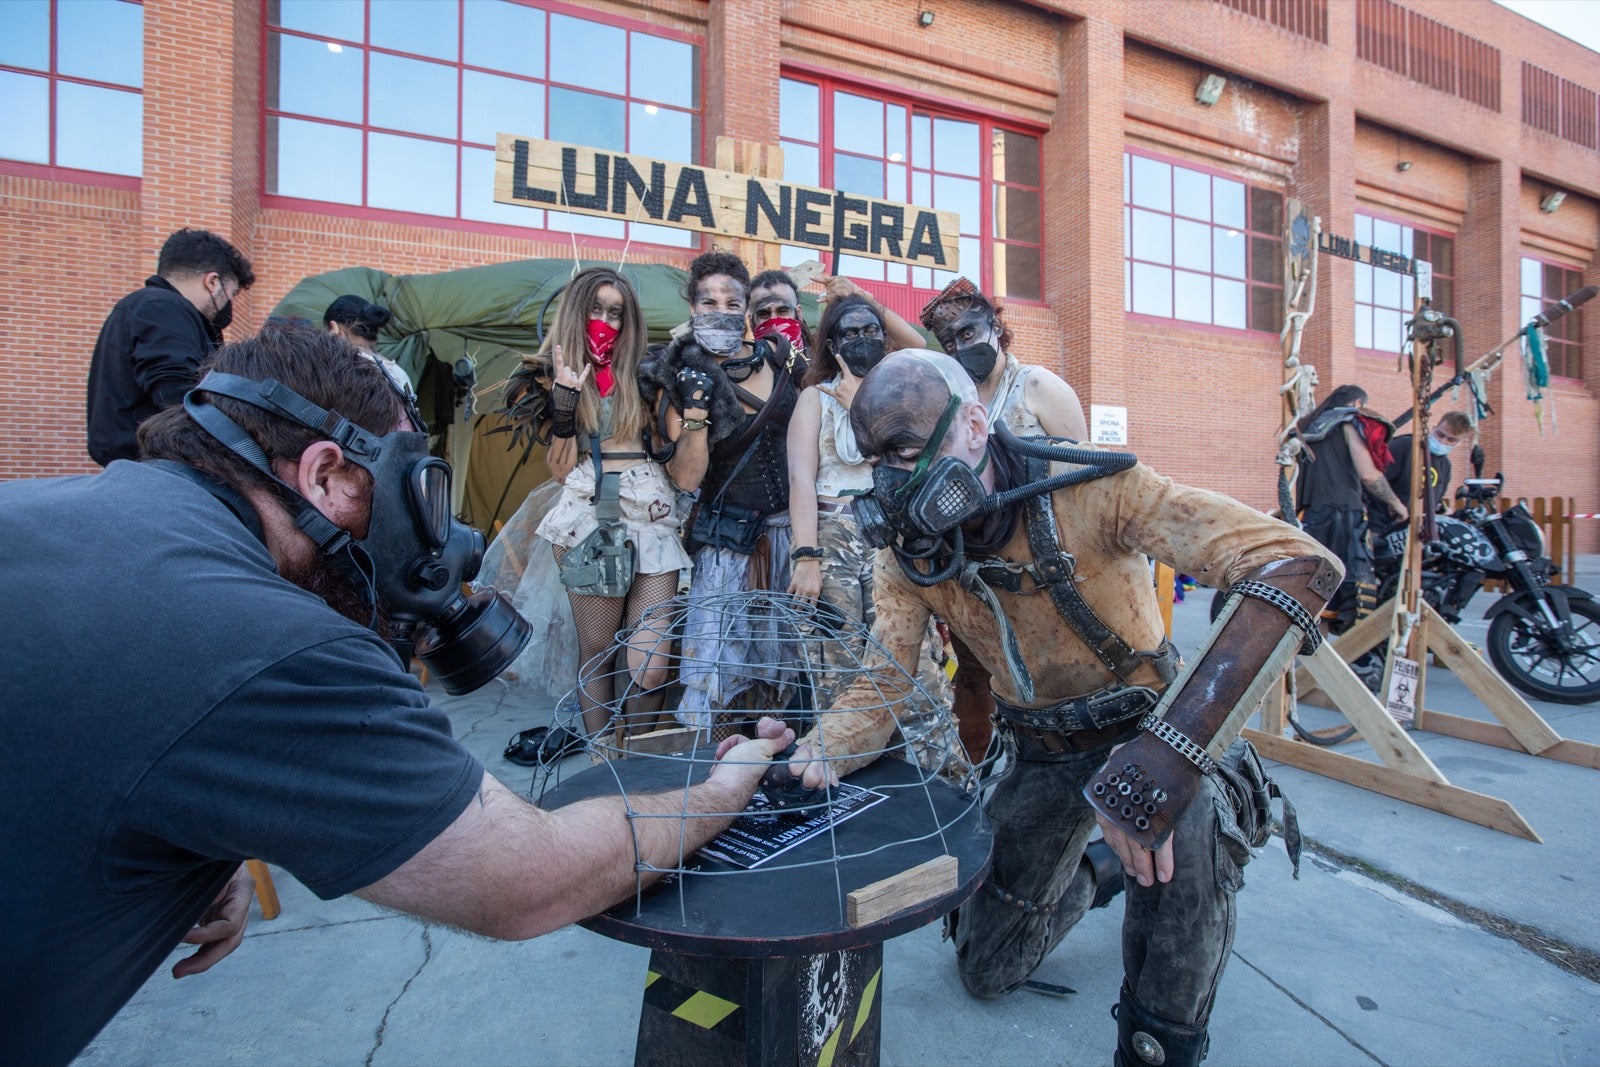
(898, 892)
(661, 742)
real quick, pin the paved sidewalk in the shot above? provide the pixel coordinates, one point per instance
(1339, 967)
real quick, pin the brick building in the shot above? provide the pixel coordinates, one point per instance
(1134, 231)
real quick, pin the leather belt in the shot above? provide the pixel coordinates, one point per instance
(1112, 704)
(831, 507)
(1036, 745)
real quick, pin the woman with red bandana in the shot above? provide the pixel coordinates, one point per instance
(589, 364)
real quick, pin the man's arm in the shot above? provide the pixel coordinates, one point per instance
(508, 869)
(855, 729)
(1372, 479)
(167, 352)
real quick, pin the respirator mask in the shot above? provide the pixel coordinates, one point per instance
(416, 555)
(935, 496)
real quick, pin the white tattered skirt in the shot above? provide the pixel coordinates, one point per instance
(726, 653)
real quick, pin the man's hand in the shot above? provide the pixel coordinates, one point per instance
(741, 761)
(813, 771)
(1146, 867)
(221, 928)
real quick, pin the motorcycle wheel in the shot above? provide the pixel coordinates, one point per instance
(1519, 652)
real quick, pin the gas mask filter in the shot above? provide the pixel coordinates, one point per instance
(416, 555)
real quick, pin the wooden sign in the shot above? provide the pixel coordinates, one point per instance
(591, 181)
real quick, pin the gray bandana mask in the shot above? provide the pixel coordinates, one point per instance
(720, 333)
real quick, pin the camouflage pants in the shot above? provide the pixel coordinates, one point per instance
(1175, 936)
(847, 596)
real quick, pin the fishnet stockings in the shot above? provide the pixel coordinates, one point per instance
(641, 667)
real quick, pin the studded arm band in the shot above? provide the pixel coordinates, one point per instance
(1261, 629)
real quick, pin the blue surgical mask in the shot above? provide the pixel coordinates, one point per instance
(1438, 447)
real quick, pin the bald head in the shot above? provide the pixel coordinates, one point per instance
(901, 400)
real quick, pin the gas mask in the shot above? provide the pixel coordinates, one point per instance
(415, 556)
(936, 495)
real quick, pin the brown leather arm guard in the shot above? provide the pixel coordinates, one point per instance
(1270, 617)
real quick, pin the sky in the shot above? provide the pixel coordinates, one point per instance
(1577, 19)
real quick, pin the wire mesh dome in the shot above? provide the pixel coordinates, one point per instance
(738, 657)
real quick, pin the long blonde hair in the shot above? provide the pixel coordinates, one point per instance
(570, 331)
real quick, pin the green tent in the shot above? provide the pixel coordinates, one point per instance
(487, 315)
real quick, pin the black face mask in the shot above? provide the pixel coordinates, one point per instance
(861, 354)
(977, 360)
(415, 556)
(223, 317)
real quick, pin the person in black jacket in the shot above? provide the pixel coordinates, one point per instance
(150, 347)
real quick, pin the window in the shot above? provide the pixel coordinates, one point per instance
(1544, 283)
(870, 144)
(1200, 247)
(395, 105)
(71, 72)
(1384, 299)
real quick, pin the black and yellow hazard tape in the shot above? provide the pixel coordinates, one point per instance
(695, 1006)
(869, 998)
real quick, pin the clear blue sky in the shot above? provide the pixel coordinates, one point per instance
(1577, 19)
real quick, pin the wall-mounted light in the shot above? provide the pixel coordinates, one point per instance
(925, 19)
(1403, 166)
(1209, 91)
(1552, 201)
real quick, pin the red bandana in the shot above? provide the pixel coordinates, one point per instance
(602, 339)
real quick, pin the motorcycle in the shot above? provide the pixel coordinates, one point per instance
(1544, 638)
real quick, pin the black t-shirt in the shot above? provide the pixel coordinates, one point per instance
(1399, 473)
(172, 707)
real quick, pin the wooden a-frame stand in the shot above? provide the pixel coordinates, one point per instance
(1406, 772)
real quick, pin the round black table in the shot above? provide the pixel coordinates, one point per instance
(760, 966)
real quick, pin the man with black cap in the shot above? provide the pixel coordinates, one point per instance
(151, 345)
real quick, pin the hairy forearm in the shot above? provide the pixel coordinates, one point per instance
(1379, 489)
(508, 869)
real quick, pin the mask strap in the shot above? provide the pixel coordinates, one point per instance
(315, 525)
(274, 397)
(931, 448)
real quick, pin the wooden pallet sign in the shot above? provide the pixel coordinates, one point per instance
(593, 181)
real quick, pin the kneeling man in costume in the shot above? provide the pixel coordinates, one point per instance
(1035, 555)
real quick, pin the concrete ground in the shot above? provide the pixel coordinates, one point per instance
(1351, 964)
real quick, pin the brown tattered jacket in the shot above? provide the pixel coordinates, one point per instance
(1110, 526)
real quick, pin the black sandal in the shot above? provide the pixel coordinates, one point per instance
(523, 748)
(542, 745)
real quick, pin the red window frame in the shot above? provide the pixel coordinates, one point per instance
(1253, 252)
(52, 171)
(459, 143)
(1563, 350)
(1443, 282)
(907, 298)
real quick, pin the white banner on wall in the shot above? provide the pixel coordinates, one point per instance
(1108, 425)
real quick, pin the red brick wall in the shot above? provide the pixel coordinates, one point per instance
(1096, 77)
